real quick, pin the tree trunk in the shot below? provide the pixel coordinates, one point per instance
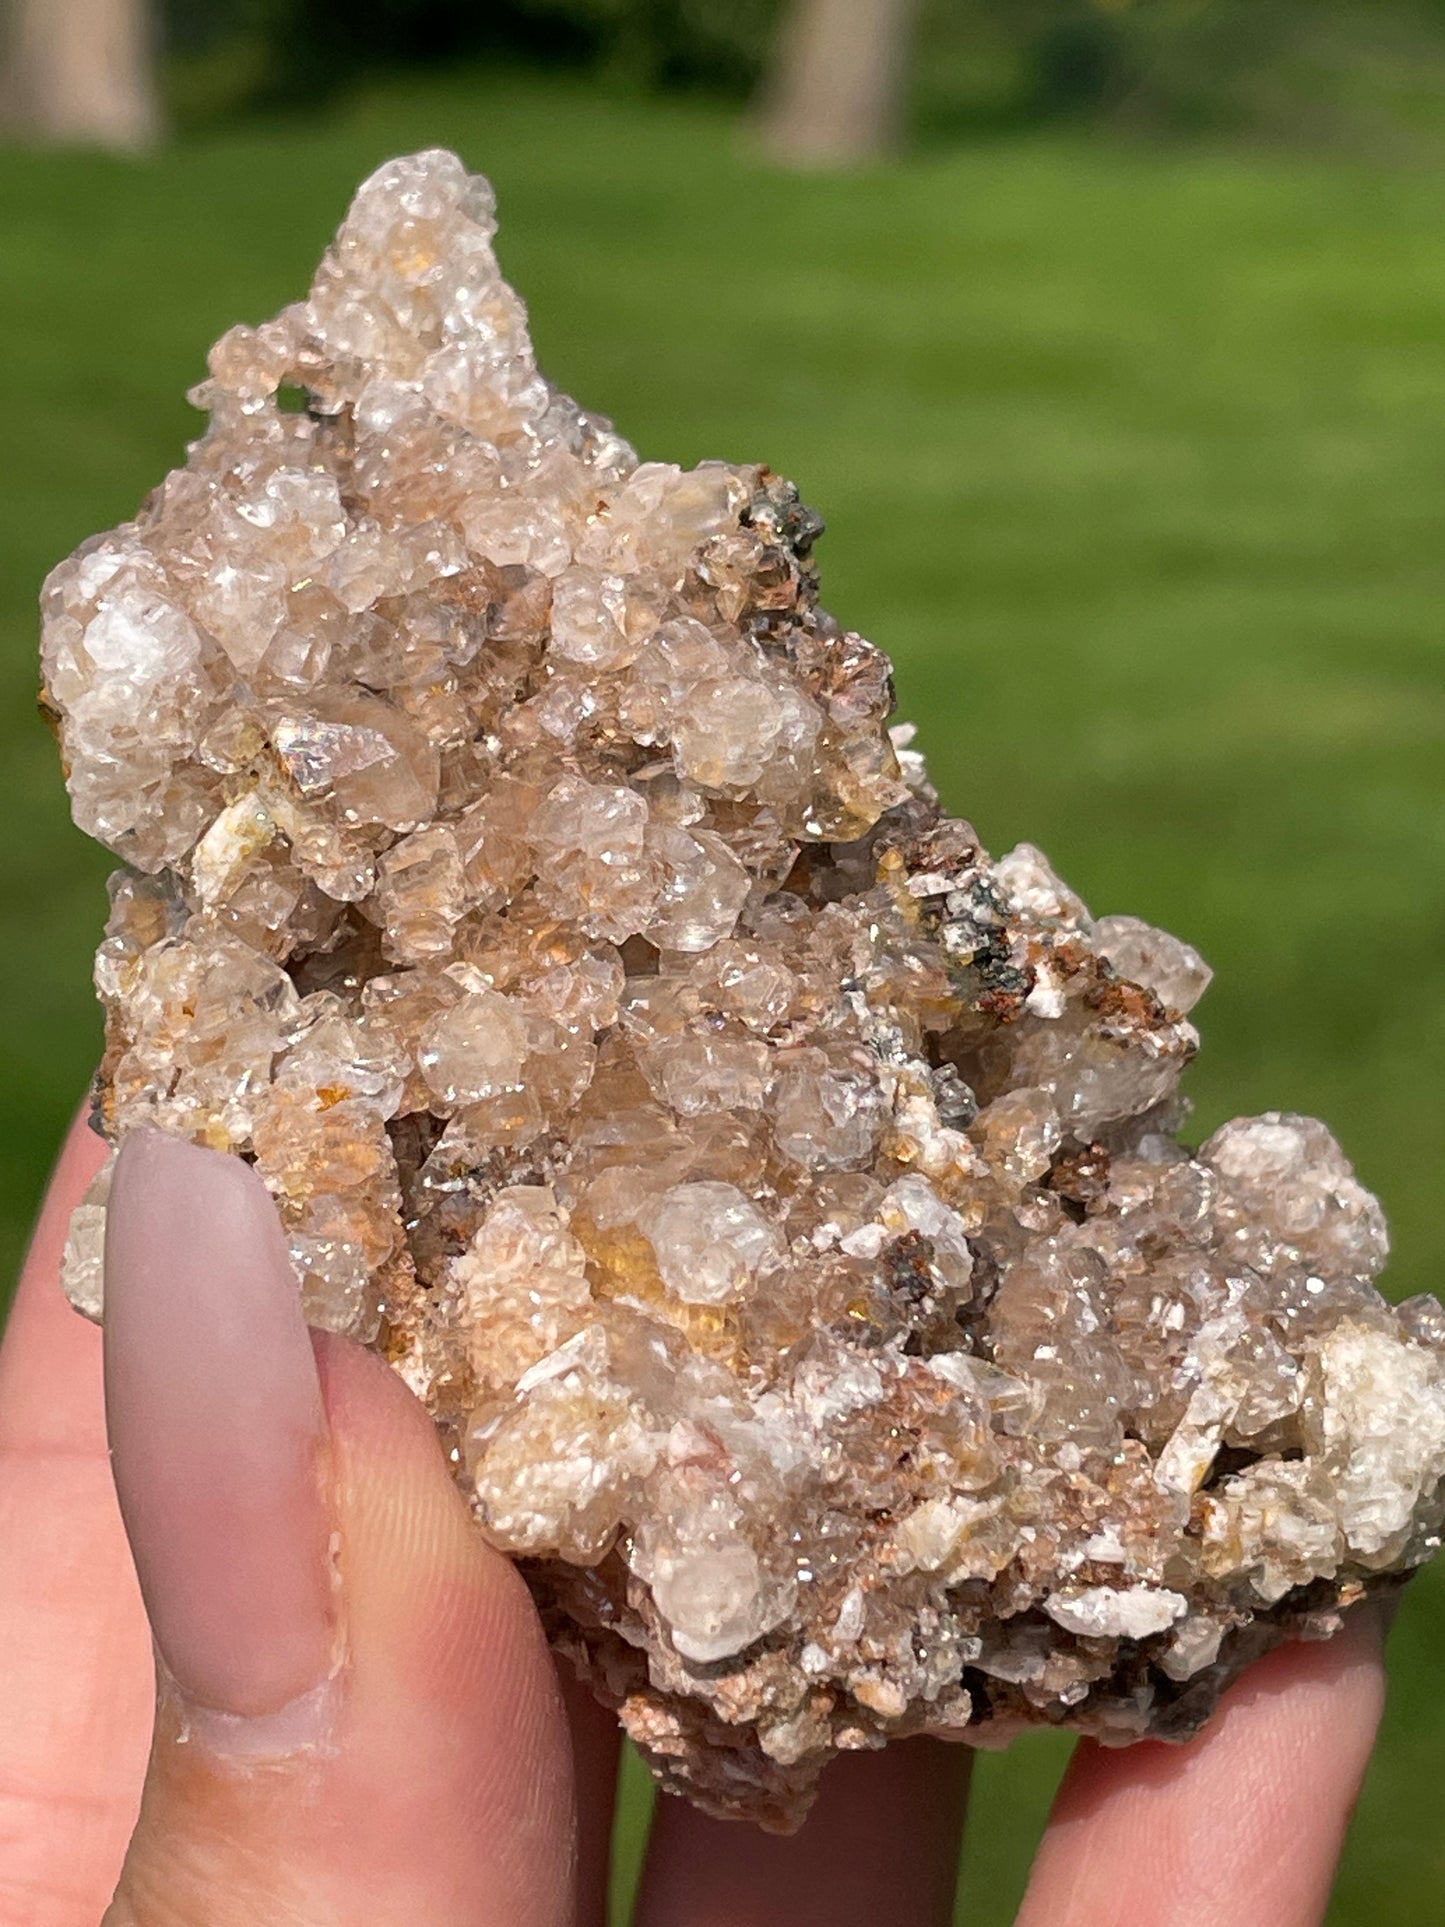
(79, 71)
(836, 90)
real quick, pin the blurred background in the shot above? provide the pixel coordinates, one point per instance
(1109, 337)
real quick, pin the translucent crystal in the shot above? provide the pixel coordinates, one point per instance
(709, 1241)
(777, 1201)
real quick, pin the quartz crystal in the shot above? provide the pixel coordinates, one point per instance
(777, 1201)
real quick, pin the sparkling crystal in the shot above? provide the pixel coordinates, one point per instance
(777, 1202)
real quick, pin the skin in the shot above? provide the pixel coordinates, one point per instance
(462, 1783)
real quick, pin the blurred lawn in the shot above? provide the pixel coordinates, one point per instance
(1134, 460)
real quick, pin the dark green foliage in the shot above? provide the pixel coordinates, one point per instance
(1166, 62)
(1362, 72)
(312, 46)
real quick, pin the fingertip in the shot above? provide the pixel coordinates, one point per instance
(880, 1843)
(1275, 1774)
(451, 1680)
(422, 1581)
(368, 1402)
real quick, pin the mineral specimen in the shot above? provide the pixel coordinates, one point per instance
(776, 1201)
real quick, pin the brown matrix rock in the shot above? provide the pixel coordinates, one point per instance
(776, 1200)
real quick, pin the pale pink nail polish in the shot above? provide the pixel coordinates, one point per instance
(217, 1431)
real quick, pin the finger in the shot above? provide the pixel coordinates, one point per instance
(50, 1362)
(1243, 1824)
(359, 1718)
(77, 1658)
(596, 1753)
(881, 1844)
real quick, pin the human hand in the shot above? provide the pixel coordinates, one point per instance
(358, 1723)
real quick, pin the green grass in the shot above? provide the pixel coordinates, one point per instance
(1133, 460)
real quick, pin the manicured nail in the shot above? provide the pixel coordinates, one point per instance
(217, 1432)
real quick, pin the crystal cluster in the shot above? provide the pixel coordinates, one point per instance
(776, 1200)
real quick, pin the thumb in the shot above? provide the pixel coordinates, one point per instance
(358, 1720)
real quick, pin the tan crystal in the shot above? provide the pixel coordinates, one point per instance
(777, 1202)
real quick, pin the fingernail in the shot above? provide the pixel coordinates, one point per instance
(217, 1432)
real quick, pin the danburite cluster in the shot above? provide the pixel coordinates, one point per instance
(776, 1201)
